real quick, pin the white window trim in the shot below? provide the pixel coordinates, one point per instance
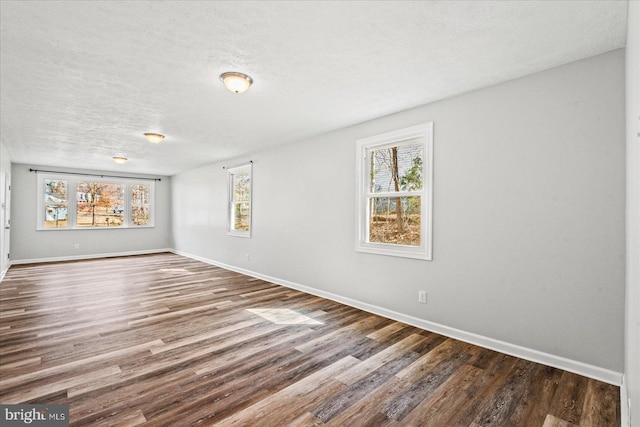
(424, 133)
(72, 183)
(230, 172)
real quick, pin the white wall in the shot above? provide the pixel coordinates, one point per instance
(5, 174)
(29, 244)
(632, 344)
(529, 214)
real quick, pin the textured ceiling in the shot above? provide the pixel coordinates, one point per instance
(81, 81)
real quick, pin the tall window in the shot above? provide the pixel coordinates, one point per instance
(239, 221)
(56, 205)
(80, 202)
(140, 204)
(394, 207)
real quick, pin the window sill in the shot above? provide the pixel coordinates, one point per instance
(239, 234)
(399, 251)
(94, 228)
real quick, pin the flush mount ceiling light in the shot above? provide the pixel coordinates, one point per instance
(154, 138)
(120, 159)
(236, 82)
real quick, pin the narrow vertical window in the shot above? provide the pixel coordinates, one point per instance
(140, 208)
(239, 222)
(395, 193)
(56, 205)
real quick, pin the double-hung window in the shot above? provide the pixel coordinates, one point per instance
(141, 204)
(55, 203)
(394, 193)
(82, 202)
(239, 209)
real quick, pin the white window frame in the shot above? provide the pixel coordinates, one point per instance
(129, 204)
(248, 168)
(423, 134)
(72, 185)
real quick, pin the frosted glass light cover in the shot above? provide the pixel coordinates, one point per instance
(154, 138)
(236, 82)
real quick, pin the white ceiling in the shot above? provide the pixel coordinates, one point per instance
(81, 81)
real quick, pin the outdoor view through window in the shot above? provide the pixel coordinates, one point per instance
(140, 196)
(394, 209)
(97, 204)
(240, 201)
(55, 203)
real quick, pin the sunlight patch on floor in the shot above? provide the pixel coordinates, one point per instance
(283, 316)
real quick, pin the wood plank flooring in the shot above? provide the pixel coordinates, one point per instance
(166, 340)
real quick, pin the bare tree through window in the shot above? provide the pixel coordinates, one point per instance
(55, 203)
(395, 193)
(240, 201)
(140, 196)
(395, 219)
(99, 204)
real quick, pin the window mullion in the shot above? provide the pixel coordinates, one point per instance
(396, 194)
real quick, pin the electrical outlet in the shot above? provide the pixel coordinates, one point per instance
(422, 297)
(248, 257)
(77, 246)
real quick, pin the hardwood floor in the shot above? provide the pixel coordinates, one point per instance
(165, 340)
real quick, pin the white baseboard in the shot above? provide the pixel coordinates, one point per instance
(580, 368)
(3, 272)
(590, 371)
(625, 410)
(89, 256)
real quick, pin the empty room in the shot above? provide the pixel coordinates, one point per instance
(309, 213)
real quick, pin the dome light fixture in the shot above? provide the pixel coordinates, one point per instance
(120, 159)
(154, 138)
(236, 82)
